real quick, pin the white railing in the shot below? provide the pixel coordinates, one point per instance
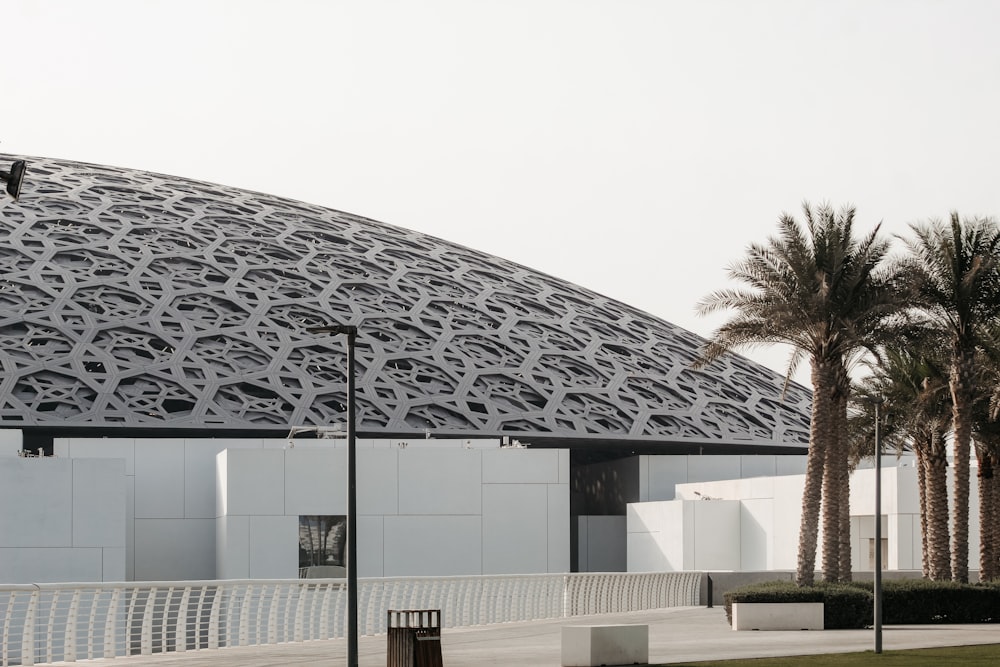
(67, 622)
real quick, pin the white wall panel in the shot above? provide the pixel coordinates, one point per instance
(199, 472)
(378, 482)
(98, 448)
(660, 536)
(645, 554)
(255, 482)
(761, 487)
(787, 519)
(50, 565)
(440, 481)
(756, 528)
(564, 477)
(729, 489)
(174, 549)
(222, 483)
(757, 465)
(274, 552)
(315, 481)
(11, 441)
(790, 465)
(232, 537)
(159, 464)
(515, 528)
(558, 529)
(433, 545)
(113, 564)
(130, 528)
(859, 550)
(907, 490)
(644, 479)
(36, 502)
(717, 535)
(901, 555)
(99, 502)
(711, 468)
(520, 466)
(665, 472)
(603, 544)
(370, 546)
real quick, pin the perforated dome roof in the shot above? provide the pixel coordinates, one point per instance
(132, 299)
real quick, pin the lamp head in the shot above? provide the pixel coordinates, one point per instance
(14, 178)
(348, 329)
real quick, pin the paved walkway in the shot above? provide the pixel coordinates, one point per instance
(683, 634)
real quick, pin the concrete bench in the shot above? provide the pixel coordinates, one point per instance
(777, 616)
(596, 645)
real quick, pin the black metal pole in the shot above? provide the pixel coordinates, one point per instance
(352, 492)
(877, 611)
(352, 510)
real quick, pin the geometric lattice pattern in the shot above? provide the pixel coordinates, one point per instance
(137, 299)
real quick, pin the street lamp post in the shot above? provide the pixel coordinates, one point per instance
(352, 492)
(877, 610)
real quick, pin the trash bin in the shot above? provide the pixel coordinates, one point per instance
(414, 638)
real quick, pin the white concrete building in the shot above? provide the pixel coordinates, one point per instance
(149, 509)
(753, 524)
(166, 509)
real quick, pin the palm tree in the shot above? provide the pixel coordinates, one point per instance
(986, 434)
(913, 382)
(821, 291)
(955, 272)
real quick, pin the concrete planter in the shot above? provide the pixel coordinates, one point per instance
(777, 616)
(594, 645)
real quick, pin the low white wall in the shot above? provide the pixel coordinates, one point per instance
(680, 535)
(62, 520)
(668, 535)
(421, 511)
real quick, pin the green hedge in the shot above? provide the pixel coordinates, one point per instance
(844, 606)
(915, 601)
(904, 602)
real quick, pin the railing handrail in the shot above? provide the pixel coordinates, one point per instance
(213, 582)
(46, 621)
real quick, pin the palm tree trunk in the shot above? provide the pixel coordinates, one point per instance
(987, 533)
(938, 542)
(820, 429)
(962, 418)
(925, 556)
(844, 533)
(844, 485)
(831, 505)
(994, 528)
(836, 483)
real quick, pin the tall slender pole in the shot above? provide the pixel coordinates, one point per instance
(352, 491)
(352, 510)
(877, 611)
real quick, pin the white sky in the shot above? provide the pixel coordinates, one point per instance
(634, 147)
